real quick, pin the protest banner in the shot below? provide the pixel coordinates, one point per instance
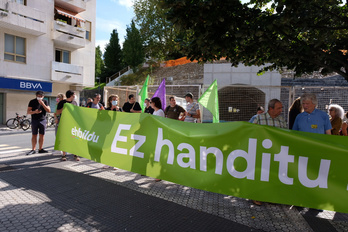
(236, 158)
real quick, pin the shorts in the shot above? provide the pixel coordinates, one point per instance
(38, 126)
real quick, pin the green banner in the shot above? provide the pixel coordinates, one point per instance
(237, 158)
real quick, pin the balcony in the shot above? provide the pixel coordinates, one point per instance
(62, 72)
(73, 5)
(22, 18)
(67, 36)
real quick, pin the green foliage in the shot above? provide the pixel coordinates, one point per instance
(137, 78)
(96, 85)
(157, 32)
(99, 63)
(112, 57)
(133, 49)
(305, 36)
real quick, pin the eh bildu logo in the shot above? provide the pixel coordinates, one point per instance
(85, 135)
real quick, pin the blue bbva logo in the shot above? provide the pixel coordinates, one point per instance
(29, 85)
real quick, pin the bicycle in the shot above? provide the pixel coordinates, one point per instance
(18, 122)
(50, 120)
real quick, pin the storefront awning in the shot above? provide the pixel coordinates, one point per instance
(69, 14)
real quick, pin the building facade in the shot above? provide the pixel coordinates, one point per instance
(45, 45)
(241, 90)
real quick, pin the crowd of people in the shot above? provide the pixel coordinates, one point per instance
(38, 108)
(303, 114)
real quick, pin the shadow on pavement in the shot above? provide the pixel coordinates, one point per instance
(110, 207)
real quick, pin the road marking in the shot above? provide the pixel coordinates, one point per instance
(7, 148)
(14, 150)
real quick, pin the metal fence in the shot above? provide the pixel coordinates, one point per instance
(178, 91)
(239, 102)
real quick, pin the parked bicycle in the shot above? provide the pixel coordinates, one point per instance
(50, 120)
(19, 122)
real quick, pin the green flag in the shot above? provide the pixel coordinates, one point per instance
(210, 100)
(143, 94)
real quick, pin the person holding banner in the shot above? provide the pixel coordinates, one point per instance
(272, 117)
(131, 106)
(70, 96)
(174, 111)
(336, 113)
(294, 110)
(259, 110)
(312, 120)
(344, 130)
(113, 103)
(157, 106)
(96, 102)
(193, 112)
(148, 108)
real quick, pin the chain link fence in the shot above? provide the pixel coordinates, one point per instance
(178, 91)
(240, 102)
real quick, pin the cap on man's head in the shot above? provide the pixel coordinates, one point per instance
(189, 95)
(40, 93)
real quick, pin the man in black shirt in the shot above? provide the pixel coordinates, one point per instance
(174, 111)
(131, 106)
(38, 108)
(148, 108)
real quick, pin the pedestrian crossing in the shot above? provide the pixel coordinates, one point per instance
(6, 149)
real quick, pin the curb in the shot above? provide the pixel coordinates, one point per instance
(6, 131)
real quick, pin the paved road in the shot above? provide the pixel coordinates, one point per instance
(41, 193)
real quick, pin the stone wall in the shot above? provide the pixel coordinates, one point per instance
(186, 74)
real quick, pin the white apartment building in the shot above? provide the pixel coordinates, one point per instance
(46, 45)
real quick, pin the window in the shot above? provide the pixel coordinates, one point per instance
(15, 48)
(63, 56)
(88, 30)
(23, 2)
(63, 19)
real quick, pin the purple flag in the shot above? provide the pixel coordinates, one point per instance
(161, 93)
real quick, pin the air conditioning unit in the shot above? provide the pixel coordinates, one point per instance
(3, 13)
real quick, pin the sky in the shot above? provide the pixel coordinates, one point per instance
(112, 14)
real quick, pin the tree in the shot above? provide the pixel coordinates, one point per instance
(133, 49)
(99, 63)
(112, 56)
(156, 31)
(304, 36)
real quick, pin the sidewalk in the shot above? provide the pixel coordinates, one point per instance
(41, 193)
(4, 130)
